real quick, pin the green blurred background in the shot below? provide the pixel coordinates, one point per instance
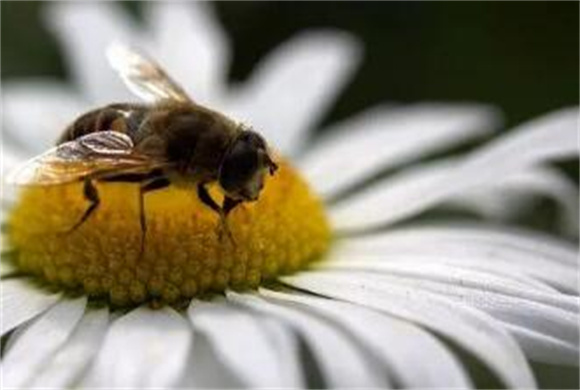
(521, 56)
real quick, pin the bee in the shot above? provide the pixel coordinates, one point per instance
(167, 139)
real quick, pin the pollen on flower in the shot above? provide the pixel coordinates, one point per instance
(185, 253)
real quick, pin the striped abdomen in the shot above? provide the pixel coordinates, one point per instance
(123, 117)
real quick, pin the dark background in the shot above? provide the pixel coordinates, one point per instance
(521, 56)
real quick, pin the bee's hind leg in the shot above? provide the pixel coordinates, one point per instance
(144, 188)
(91, 194)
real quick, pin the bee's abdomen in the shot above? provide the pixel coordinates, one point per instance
(125, 118)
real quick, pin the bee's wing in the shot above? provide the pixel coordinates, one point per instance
(93, 155)
(144, 77)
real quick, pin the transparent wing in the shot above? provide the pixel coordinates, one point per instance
(97, 155)
(144, 77)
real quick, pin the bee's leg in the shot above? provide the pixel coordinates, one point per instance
(146, 187)
(229, 204)
(92, 195)
(206, 199)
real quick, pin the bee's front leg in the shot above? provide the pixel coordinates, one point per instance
(206, 198)
(228, 205)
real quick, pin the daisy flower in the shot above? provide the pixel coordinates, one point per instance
(333, 280)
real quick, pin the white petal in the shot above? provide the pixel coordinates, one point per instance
(36, 345)
(192, 46)
(144, 348)
(207, 371)
(546, 349)
(294, 86)
(549, 137)
(390, 200)
(384, 138)
(86, 29)
(538, 327)
(287, 345)
(469, 328)
(541, 318)
(534, 312)
(506, 197)
(453, 275)
(496, 237)
(538, 273)
(326, 343)
(77, 352)
(398, 344)
(476, 246)
(529, 269)
(21, 301)
(418, 189)
(36, 112)
(239, 339)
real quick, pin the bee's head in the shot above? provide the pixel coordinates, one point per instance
(245, 165)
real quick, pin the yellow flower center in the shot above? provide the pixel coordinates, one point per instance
(186, 253)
